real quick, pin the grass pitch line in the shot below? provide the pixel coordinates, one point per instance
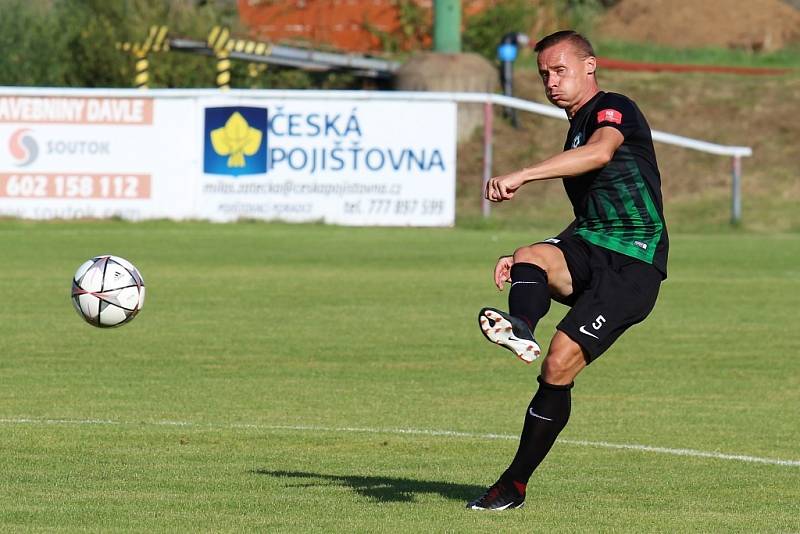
(694, 453)
(683, 452)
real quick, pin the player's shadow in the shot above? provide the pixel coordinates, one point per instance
(383, 489)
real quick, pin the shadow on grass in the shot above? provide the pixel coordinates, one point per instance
(382, 489)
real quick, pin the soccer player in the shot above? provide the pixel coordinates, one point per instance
(607, 265)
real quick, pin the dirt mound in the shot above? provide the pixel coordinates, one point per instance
(758, 25)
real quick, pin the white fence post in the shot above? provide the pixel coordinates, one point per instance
(488, 125)
(736, 193)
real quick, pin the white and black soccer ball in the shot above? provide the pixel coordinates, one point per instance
(107, 291)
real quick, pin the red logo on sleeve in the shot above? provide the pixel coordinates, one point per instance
(609, 115)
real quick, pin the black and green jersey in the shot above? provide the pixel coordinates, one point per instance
(619, 206)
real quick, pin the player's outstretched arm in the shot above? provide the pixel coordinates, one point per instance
(596, 153)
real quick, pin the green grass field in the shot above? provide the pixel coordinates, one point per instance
(320, 379)
(786, 58)
(649, 52)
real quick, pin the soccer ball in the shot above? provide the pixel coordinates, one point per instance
(107, 291)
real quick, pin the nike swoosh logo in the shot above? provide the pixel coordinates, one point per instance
(530, 411)
(584, 331)
(522, 282)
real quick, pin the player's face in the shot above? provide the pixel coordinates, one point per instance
(565, 75)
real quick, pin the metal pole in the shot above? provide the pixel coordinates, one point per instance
(223, 69)
(488, 116)
(507, 70)
(736, 185)
(447, 26)
(219, 40)
(142, 78)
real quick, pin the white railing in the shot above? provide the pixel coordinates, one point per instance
(736, 152)
(487, 99)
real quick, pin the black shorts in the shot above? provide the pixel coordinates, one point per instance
(610, 293)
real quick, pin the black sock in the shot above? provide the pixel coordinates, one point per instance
(529, 297)
(547, 415)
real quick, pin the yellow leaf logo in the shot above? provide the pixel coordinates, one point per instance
(236, 140)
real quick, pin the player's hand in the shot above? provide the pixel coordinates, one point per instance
(502, 271)
(502, 188)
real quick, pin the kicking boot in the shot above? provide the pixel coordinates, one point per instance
(509, 332)
(502, 495)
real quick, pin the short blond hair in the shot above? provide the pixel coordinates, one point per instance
(581, 43)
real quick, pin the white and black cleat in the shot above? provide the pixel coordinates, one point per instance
(509, 332)
(500, 496)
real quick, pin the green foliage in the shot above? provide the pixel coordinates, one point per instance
(94, 59)
(34, 43)
(788, 57)
(193, 20)
(414, 23)
(484, 30)
(580, 15)
(74, 43)
(287, 78)
(414, 30)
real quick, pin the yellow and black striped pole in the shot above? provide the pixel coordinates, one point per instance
(156, 42)
(141, 80)
(219, 40)
(251, 47)
(223, 70)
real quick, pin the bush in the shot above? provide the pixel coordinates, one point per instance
(580, 15)
(484, 30)
(73, 43)
(34, 42)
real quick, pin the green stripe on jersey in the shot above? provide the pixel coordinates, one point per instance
(632, 225)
